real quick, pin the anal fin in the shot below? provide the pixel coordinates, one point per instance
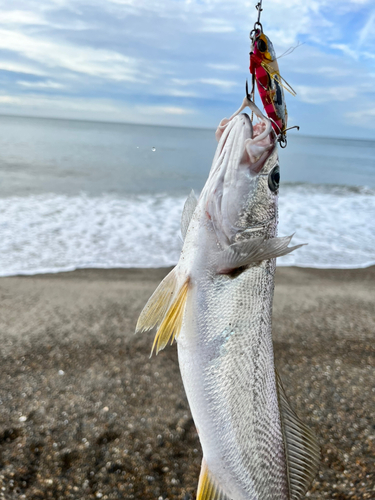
(301, 448)
(208, 489)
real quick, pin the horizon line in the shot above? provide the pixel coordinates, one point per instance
(118, 122)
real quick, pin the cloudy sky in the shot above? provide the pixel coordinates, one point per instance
(185, 62)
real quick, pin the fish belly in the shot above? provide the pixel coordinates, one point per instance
(226, 361)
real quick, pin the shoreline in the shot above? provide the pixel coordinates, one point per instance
(86, 414)
(133, 271)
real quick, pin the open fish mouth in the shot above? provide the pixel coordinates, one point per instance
(243, 157)
(259, 139)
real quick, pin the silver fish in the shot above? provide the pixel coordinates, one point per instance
(217, 303)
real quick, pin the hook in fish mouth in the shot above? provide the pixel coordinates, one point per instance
(247, 90)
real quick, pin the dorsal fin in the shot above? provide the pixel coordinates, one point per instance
(207, 486)
(253, 250)
(164, 309)
(301, 448)
(187, 213)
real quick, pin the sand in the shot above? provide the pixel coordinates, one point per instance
(85, 414)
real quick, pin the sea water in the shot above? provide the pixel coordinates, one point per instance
(77, 194)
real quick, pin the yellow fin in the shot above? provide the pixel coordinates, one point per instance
(154, 311)
(172, 321)
(207, 489)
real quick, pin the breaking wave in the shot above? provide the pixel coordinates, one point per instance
(52, 233)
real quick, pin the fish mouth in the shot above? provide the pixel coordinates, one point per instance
(261, 145)
(255, 141)
(241, 157)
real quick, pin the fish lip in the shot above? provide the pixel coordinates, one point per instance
(237, 121)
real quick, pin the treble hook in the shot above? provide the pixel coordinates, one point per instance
(282, 137)
(247, 91)
(290, 128)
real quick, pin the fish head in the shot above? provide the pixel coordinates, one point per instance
(241, 193)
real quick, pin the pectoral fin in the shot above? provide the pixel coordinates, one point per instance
(254, 250)
(187, 213)
(301, 448)
(207, 486)
(170, 327)
(165, 310)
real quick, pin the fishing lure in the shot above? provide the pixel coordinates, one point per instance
(265, 70)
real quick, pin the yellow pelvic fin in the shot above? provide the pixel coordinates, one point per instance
(171, 325)
(207, 487)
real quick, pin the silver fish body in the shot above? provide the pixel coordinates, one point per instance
(254, 447)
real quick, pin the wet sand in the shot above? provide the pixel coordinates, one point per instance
(85, 414)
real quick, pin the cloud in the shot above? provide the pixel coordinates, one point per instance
(22, 17)
(216, 26)
(95, 109)
(346, 50)
(179, 93)
(224, 84)
(48, 84)
(57, 102)
(80, 59)
(224, 67)
(367, 30)
(182, 82)
(7, 99)
(320, 95)
(15, 67)
(363, 116)
(164, 110)
(187, 58)
(215, 82)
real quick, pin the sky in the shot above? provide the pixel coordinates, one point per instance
(185, 62)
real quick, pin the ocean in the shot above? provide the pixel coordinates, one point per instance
(76, 194)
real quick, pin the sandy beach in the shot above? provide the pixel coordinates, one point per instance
(85, 414)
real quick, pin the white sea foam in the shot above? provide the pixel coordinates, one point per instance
(336, 222)
(51, 233)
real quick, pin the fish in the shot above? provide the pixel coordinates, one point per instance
(217, 304)
(265, 70)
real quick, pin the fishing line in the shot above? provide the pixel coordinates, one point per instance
(257, 26)
(290, 50)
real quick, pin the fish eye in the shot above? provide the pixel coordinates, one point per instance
(261, 44)
(274, 178)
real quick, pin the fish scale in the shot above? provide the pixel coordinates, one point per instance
(217, 304)
(238, 384)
